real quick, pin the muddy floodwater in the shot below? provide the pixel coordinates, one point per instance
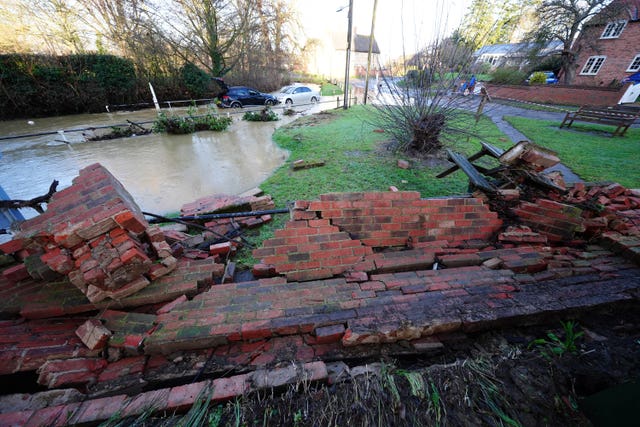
(161, 171)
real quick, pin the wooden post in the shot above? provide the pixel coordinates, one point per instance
(483, 100)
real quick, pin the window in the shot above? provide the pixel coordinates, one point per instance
(635, 65)
(490, 59)
(593, 65)
(613, 30)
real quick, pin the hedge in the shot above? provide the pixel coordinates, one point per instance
(44, 85)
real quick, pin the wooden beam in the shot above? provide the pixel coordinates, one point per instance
(475, 177)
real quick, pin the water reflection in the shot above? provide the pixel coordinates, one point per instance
(162, 172)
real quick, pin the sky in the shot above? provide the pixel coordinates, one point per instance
(399, 23)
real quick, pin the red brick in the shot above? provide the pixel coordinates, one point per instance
(256, 330)
(52, 415)
(329, 334)
(184, 396)
(91, 231)
(303, 215)
(357, 276)
(502, 295)
(403, 164)
(263, 270)
(129, 289)
(460, 260)
(134, 255)
(122, 368)
(17, 419)
(12, 246)
(226, 388)
(142, 402)
(60, 379)
(131, 222)
(94, 276)
(16, 273)
(173, 304)
(95, 410)
(301, 204)
(220, 248)
(93, 334)
(306, 275)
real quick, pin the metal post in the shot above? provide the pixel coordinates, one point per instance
(346, 71)
(366, 81)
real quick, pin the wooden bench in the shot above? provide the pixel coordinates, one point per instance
(622, 119)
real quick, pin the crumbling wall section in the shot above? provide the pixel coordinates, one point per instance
(96, 235)
(340, 232)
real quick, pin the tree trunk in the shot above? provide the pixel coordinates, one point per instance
(568, 66)
(426, 133)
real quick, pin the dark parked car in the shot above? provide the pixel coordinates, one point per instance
(240, 96)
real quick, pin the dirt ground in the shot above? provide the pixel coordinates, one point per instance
(496, 378)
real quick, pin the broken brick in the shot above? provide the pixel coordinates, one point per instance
(221, 248)
(16, 273)
(93, 334)
(403, 164)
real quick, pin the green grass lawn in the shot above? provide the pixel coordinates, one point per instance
(589, 150)
(537, 107)
(357, 160)
(329, 89)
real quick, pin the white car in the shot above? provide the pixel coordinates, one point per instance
(298, 94)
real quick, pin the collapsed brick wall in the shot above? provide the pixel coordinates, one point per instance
(339, 232)
(603, 213)
(557, 221)
(95, 234)
(387, 219)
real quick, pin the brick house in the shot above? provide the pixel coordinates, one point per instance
(609, 46)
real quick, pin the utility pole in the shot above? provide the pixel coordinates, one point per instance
(346, 71)
(373, 22)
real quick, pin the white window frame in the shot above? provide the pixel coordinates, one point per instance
(634, 65)
(593, 65)
(613, 29)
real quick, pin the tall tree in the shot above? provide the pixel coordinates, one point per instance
(489, 22)
(51, 26)
(11, 27)
(563, 20)
(203, 31)
(119, 23)
(477, 23)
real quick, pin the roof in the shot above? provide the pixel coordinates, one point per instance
(361, 44)
(620, 9)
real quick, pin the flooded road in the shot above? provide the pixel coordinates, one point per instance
(161, 171)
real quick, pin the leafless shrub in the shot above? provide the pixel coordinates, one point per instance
(425, 110)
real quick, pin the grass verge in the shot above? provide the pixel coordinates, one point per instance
(329, 89)
(589, 150)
